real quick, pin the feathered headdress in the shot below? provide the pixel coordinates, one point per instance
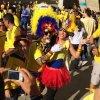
(44, 19)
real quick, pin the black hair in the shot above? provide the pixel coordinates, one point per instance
(13, 9)
(79, 24)
(88, 12)
(9, 17)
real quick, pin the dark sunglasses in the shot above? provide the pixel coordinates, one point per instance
(62, 29)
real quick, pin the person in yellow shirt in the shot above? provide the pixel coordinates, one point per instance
(1, 14)
(12, 11)
(55, 67)
(11, 36)
(95, 76)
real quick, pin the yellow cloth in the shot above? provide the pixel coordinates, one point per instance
(60, 17)
(11, 37)
(16, 21)
(95, 35)
(72, 28)
(61, 54)
(66, 15)
(98, 19)
(4, 12)
(34, 53)
(1, 15)
(72, 17)
(89, 97)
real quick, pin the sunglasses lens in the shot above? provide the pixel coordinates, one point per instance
(62, 30)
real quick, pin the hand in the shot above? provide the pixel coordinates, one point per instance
(29, 85)
(3, 70)
(7, 94)
(83, 41)
(4, 55)
(56, 48)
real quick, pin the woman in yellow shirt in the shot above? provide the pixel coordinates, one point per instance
(55, 74)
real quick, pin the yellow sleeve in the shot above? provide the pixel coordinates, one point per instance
(37, 54)
(96, 33)
(15, 33)
(16, 20)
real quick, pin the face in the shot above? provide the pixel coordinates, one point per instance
(62, 34)
(6, 23)
(22, 47)
(46, 38)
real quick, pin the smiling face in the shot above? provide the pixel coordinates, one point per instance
(62, 34)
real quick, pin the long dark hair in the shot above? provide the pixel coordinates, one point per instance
(79, 24)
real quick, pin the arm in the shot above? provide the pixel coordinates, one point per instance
(31, 87)
(8, 52)
(41, 60)
(91, 40)
(97, 94)
(75, 53)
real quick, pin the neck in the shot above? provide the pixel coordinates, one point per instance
(10, 26)
(61, 41)
(87, 16)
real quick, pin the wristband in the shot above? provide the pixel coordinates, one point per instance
(49, 54)
(79, 50)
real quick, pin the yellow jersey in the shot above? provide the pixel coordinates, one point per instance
(11, 35)
(34, 53)
(16, 21)
(95, 35)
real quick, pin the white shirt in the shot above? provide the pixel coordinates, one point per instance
(77, 36)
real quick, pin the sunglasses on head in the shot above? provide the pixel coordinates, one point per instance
(62, 29)
(49, 32)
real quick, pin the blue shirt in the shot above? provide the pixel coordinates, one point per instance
(24, 18)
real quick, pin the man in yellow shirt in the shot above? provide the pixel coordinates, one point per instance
(11, 36)
(95, 76)
(12, 11)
